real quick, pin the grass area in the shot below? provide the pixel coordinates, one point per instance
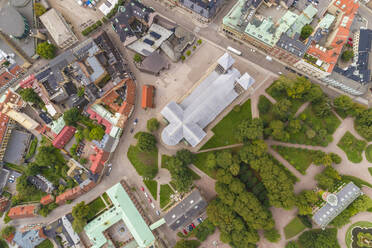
(165, 193)
(152, 186)
(370, 170)
(164, 161)
(19, 168)
(224, 131)
(348, 235)
(106, 198)
(352, 147)
(293, 228)
(357, 181)
(200, 162)
(369, 153)
(45, 244)
(298, 157)
(32, 149)
(95, 207)
(145, 163)
(323, 127)
(265, 108)
(195, 176)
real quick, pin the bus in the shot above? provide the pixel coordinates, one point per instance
(233, 50)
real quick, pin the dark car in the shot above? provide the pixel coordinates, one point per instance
(190, 228)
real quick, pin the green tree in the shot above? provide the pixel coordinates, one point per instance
(305, 200)
(80, 212)
(306, 31)
(46, 50)
(292, 244)
(281, 108)
(71, 116)
(272, 235)
(39, 9)
(211, 161)
(318, 238)
(49, 156)
(315, 94)
(250, 130)
(146, 141)
(294, 126)
(322, 108)
(187, 244)
(347, 55)
(3, 244)
(81, 92)
(188, 52)
(7, 231)
(343, 103)
(96, 133)
(137, 58)
(277, 130)
(224, 159)
(199, 41)
(152, 125)
(32, 169)
(185, 156)
(29, 95)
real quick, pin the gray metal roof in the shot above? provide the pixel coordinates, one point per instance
(331, 209)
(11, 21)
(188, 119)
(186, 210)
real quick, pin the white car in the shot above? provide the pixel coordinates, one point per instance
(152, 205)
(147, 196)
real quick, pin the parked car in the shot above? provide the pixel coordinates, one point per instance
(142, 189)
(200, 219)
(152, 205)
(190, 228)
(147, 196)
(109, 170)
(192, 224)
(150, 200)
(184, 231)
(157, 212)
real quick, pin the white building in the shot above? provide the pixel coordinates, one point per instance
(217, 91)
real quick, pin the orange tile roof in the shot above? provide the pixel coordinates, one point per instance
(5, 77)
(330, 56)
(147, 96)
(98, 160)
(69, 195)
(23, 211)
(46, 199)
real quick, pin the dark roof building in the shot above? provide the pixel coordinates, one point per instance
(41, 183)
(186, 210)
(204, 8)
(127, 15)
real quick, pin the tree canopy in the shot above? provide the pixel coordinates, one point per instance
(71, 116)
(39, 9)
(318, 238)
(7, 231)
(29, 95)
(46, 50)
(80, 212)
(152, 125)
(146, 141)
(306, 31)
(347, 55)
(250, 130)
(96, 133)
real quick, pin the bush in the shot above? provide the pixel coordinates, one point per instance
(137, 58)
(188, 52)
(237, 108)
(183, 57)
(272, 235)
(152, 125)
(39, 9)
(347, 55)
(199, 41)
(46, 50)
(264, 105)
(306, 31)
(305, 220)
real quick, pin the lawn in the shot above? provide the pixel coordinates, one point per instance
(165, 193)
(199, 161)
(348, 236)
(19, 168)
(152, 186)
(224, 131)
(106, 198)
(357, 181)
(298, 157)
(369, 153)
(370, 170)
(45, 244)
(145, 163)
(95, 207)
(32, 149)
(352, 147)
(293, 228)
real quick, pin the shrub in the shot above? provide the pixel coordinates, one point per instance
(188, 52)
(237, 108)
(137, 58)
(194, 47)
(305, 220)
(46, 50)
(183, 57)
(347, 55)
(39, 9)
(199, 41)
(152, 125)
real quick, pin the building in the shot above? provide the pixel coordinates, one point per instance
(17, 147)
(9, 74)
(217, 91)
(47, 199)
(6, 126)
(12, 22)
(125, 212)
(185, 211)
(64, 137)
(148, 92)
(153, 64)
(335, 204)
(30, 238)
(23, 211)
(132, 20)
(58, 28)
(41, 183)
(151, 41)
(69, 195)
(203, 8)
(98, 160)
(3, 203)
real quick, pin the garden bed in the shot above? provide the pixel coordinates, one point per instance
(352, 147)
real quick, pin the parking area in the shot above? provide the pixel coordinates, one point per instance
(11, 182)
(194, 224)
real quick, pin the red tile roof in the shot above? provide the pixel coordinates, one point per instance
(64, 137)
(5, 77)
(4, 120)
(98, 160)
(147, 96)
(47, 199)
(69, 195)
(15, 70)
(95, 116)
(23, 211)
(330, 56)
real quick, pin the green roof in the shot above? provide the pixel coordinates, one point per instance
(125, 210)
(327, 21)
(232, 19)
(269, 33)
(305, 18)
(58, 125)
